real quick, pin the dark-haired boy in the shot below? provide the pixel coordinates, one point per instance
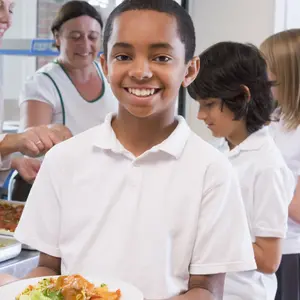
(235, 99)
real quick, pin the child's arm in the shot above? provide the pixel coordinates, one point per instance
(204, 287)
(48, 266)
(273, 190)
(267, 252)
(294, 208)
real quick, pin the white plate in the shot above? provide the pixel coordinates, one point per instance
(129, 292)
(11, 249)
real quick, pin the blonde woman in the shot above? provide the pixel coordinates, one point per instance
(282, 52)
(33, 142)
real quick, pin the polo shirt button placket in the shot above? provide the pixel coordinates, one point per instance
(135, 174)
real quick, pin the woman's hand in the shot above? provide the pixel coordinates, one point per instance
(61, 130)
(27, 167)
(36, 141)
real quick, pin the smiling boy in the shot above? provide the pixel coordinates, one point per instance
(141, 197)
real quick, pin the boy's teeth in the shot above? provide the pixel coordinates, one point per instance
(141, 92)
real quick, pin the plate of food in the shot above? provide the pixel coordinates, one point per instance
(71, 287)
(10, 214)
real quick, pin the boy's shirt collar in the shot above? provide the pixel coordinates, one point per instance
(173, 145)
(252, 143)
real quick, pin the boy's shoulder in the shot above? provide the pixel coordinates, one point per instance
(77, 146)
(270, 156)
(203, 154)
(197, 153)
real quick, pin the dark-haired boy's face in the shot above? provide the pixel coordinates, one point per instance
(145, 63)
(219, 119)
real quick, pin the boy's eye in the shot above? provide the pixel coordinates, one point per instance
(122, 57)
(162, 58)
(208, 105)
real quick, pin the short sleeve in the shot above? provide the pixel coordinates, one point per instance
(40, 221)
(5, 161)
(273, 192)
(39, 87)
(223, 243)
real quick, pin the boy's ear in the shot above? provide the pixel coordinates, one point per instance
(247, 92)
(192, 70)
(104, 66)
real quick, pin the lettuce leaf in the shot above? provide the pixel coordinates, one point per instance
(46, 295)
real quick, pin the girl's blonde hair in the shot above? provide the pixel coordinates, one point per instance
(282, 52)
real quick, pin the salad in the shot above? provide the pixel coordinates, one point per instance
(73, 287)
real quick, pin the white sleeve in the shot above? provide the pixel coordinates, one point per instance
(39, 87)
(273, 191)
(40, 221)
(5, 161)
(223, 243)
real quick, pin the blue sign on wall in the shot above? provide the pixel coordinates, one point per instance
(35, 47)
(44, 47)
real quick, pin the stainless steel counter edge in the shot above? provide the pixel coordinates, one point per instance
(20, 265)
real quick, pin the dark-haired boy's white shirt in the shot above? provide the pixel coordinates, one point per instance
(152, 221)
(267, 189)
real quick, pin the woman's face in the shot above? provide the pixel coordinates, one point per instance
(6, 11)
(79, 41)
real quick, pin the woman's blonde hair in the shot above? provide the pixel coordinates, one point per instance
(282, 52)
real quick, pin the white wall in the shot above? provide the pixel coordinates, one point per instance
(220, 20)
(16, 69)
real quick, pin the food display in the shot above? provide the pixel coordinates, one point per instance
(73, 287)
(9, 248)
(10, 214)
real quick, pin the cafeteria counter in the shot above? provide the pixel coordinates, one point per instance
(20, 265)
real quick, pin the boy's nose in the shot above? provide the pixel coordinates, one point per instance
(201, 115)
(140, 71)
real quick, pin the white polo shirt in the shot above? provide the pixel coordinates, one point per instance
(288, 143)
(267, 188)
(152, 221)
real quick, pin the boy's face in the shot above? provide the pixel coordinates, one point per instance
(220, 121)
(145, 63)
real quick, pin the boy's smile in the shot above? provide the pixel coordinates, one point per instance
(146, 62)
(142, 95)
